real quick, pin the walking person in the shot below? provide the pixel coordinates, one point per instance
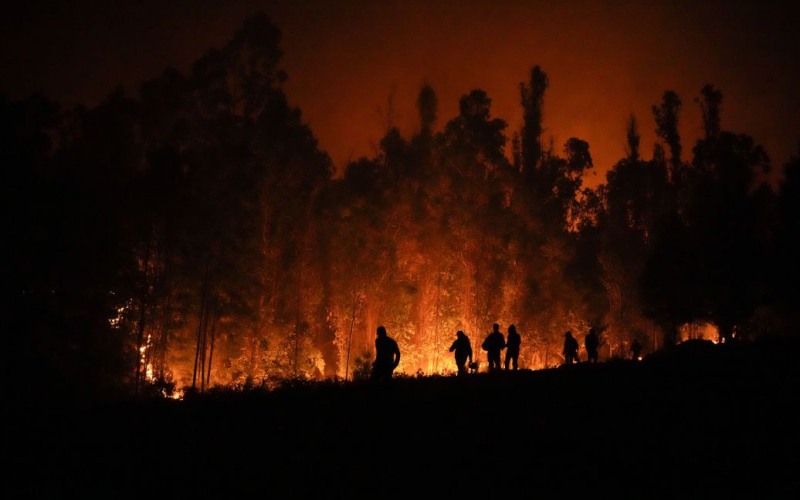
(387, 356)
(493, 344)
(512, 347)
(463, 352)
(591, 342)
(570, 349)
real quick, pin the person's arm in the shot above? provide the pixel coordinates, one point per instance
(453, 347)
(397, 352)
(469, 351)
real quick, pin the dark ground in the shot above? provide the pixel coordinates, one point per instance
(700, 421)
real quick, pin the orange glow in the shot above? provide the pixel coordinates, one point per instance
(604, 60)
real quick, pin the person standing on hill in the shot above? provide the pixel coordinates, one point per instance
(512, 351)
(463, 351)
(387, 356)
(493, 344)
(570, 349)
(591, 342)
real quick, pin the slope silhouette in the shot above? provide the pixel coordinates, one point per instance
(696, 420)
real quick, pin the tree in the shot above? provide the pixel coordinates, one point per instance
(722, 214)
(633, 138)
(666, 116)
(532, 94)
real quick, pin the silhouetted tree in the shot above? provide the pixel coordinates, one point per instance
(532, 93)
(194, 231)
(722, 214)
(633, 138)
(667, 115)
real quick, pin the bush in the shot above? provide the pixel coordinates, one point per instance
(362, 369)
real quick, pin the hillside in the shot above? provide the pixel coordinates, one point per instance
(700, 420)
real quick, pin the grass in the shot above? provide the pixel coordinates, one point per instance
(695, 421)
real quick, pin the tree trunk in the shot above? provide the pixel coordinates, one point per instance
(142, 313)
(251, 370)
(201, 326)
(326, 332)
(436, 326)
(211, 351)
(297, 320)
(203, 348)
(546, 354)
(161, 358)
(356, 303)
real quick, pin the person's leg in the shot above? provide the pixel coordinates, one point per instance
(508, 359)
(515, 359)
(383, 373)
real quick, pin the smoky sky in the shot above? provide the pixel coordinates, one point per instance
(345, 59)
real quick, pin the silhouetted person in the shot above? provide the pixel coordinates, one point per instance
(512, 351)
(570, 349)
(387, 356)
(493, 344)
(591, 343)
(463, 351)
(636, 349)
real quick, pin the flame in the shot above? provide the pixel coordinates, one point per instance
(115, 321)
(148, 367)
(177, 394)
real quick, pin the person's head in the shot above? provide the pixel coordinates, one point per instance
(381, 331)
(460, 334)
(592, 331)
(512, 329)
(496, 327)
(568, 334)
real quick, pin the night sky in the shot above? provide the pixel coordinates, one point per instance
(605, 60)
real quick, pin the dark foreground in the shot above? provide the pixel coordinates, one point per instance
(698, 422)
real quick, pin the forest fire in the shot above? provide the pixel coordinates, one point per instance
(209, 292)
(237, 254)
